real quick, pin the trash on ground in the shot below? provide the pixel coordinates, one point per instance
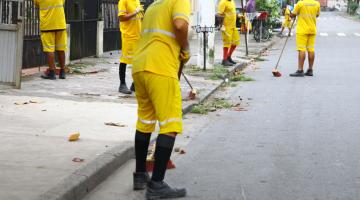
(78, 160)
(74, 137)
(117, 124)
(239, 109)
(182, 151)
(26, 102)
(177, 149)
(87, 94)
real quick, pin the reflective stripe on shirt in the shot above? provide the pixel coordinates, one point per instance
(167, 33)
(51, 7)
(180, 15)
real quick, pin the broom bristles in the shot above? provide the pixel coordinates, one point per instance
(276, 73)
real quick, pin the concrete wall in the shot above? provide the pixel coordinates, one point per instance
(340, 5)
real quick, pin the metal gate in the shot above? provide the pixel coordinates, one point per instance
(112, 39)
(11, 41)
(33, 55)
(82, 15)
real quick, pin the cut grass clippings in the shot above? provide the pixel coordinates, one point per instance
(205, 108)
(241, 78)
(259, 59)
(218, 72)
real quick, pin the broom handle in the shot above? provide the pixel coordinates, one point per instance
(187, 80)
(282, 51)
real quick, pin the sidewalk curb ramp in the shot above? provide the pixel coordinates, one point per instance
(84, 180)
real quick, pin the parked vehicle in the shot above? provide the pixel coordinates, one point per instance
(261, 29)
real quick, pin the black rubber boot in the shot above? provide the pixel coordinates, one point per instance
(231, 60)
(226, 63)
(298, 73)
(51, 75)
(124, 89)
(132, 87)
(309, 72)
(62, 74)
(161, 190)
(140, 180)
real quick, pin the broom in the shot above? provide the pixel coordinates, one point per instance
(275, 71)
(193, 92)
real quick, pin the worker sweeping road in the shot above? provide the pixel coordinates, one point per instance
(230, 34)
(130, 15)
(287, 21)
(306, 11)
(53, 34)
(162, 49)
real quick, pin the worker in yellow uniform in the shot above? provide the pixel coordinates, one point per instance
(230, 34)
(53, 34)
(130, 15)
(161, 51)
(287, 21)
(306, 11)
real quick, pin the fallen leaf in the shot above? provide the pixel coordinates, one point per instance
(236, 105)
(31, 101)
(21, 103)
(78, 160)
(177, 149)
(114, 124)
(182, 151)
(239, 109)
(74, 137)
(44, 110)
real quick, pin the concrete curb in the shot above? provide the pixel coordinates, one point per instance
(85, 179)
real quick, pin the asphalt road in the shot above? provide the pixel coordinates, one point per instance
(298, 140)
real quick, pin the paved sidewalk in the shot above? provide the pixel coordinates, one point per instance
(37, 120)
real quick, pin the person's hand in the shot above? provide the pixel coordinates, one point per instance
(139, 9)
(222, 28)
(184, 55)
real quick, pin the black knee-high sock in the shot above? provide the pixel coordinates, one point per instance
(122, 72)
(142, 141)
(164, 146)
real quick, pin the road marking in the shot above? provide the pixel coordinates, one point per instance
(357, 34)
(341, 34)
(324, 34)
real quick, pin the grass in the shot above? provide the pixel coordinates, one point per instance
(241, 78)
(221, 104)
(218, 72)
(192, 69)
(200, 109)
(205, 108)
(260, 59)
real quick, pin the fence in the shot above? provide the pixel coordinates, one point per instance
(112, 39)
(11, 34)
(32, 52)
